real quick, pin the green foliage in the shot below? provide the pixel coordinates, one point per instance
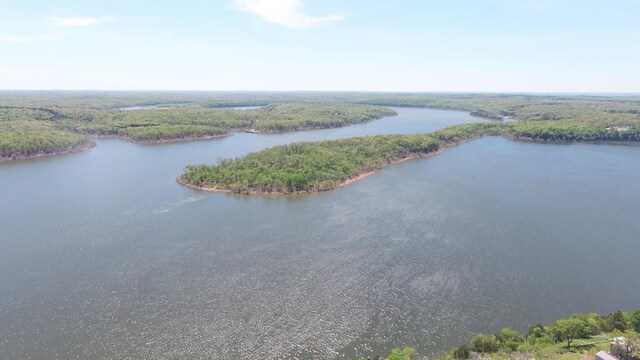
(616, 321)
(511, 345)
(65, 115)
(572, 131)
(569, 329)
(460, 133)
(323, 165)
(537, 335)
(272, 118)
(483, 343)
(173, 132)
(595, 322)
(510, 339)
(580, 334)
(510, 335)
(309, 166)
(408, 353)
(293, 117)
(635, 320)
(25, 131)
(22, 138)
(462, 353)
(615, 110)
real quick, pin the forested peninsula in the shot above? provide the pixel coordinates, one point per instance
(309, 167)
(326, 165)
(37, 123)
(36, 130)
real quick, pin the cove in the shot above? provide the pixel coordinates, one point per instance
(104, 255)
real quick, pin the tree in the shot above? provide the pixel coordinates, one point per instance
(485, 343)
(462, 353)
(595, 322)
(569, 329)
(536, 333)
(510, 335)
(407, 353)
(635, 320)
(616, 321)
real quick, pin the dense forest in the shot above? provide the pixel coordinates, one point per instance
(324, 165)
(287, 117)
(308, 166)
(28, 132)
(41, 122)
(41, 129)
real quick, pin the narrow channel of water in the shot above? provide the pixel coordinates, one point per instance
(144, 107)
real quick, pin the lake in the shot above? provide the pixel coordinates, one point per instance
(105, 255)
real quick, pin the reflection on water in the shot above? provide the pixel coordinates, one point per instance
(104, 255)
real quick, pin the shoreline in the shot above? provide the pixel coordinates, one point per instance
(313, 128)
(85, 146)
(181, 181)
(229, 132)
(176, 140)
(89, 144)
(159, 141)
(435, 153)
(343, 183)
(351, 180)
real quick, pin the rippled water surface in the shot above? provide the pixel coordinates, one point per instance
(104, 255)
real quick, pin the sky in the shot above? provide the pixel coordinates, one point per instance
(324, 45)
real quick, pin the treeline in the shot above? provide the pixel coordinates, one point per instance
(308, 166)
(318, 166)
(608, 109)
(560, 131)
(574, 131)
(204, 114)
(25, 138)
(174, 132)
(494, 106)
(26, 131)
(577, 333)
(271, 118)
(323, 165)
(287, 117)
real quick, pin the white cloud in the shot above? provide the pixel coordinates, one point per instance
(78, 21)
(28, 38)
(284, 12)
